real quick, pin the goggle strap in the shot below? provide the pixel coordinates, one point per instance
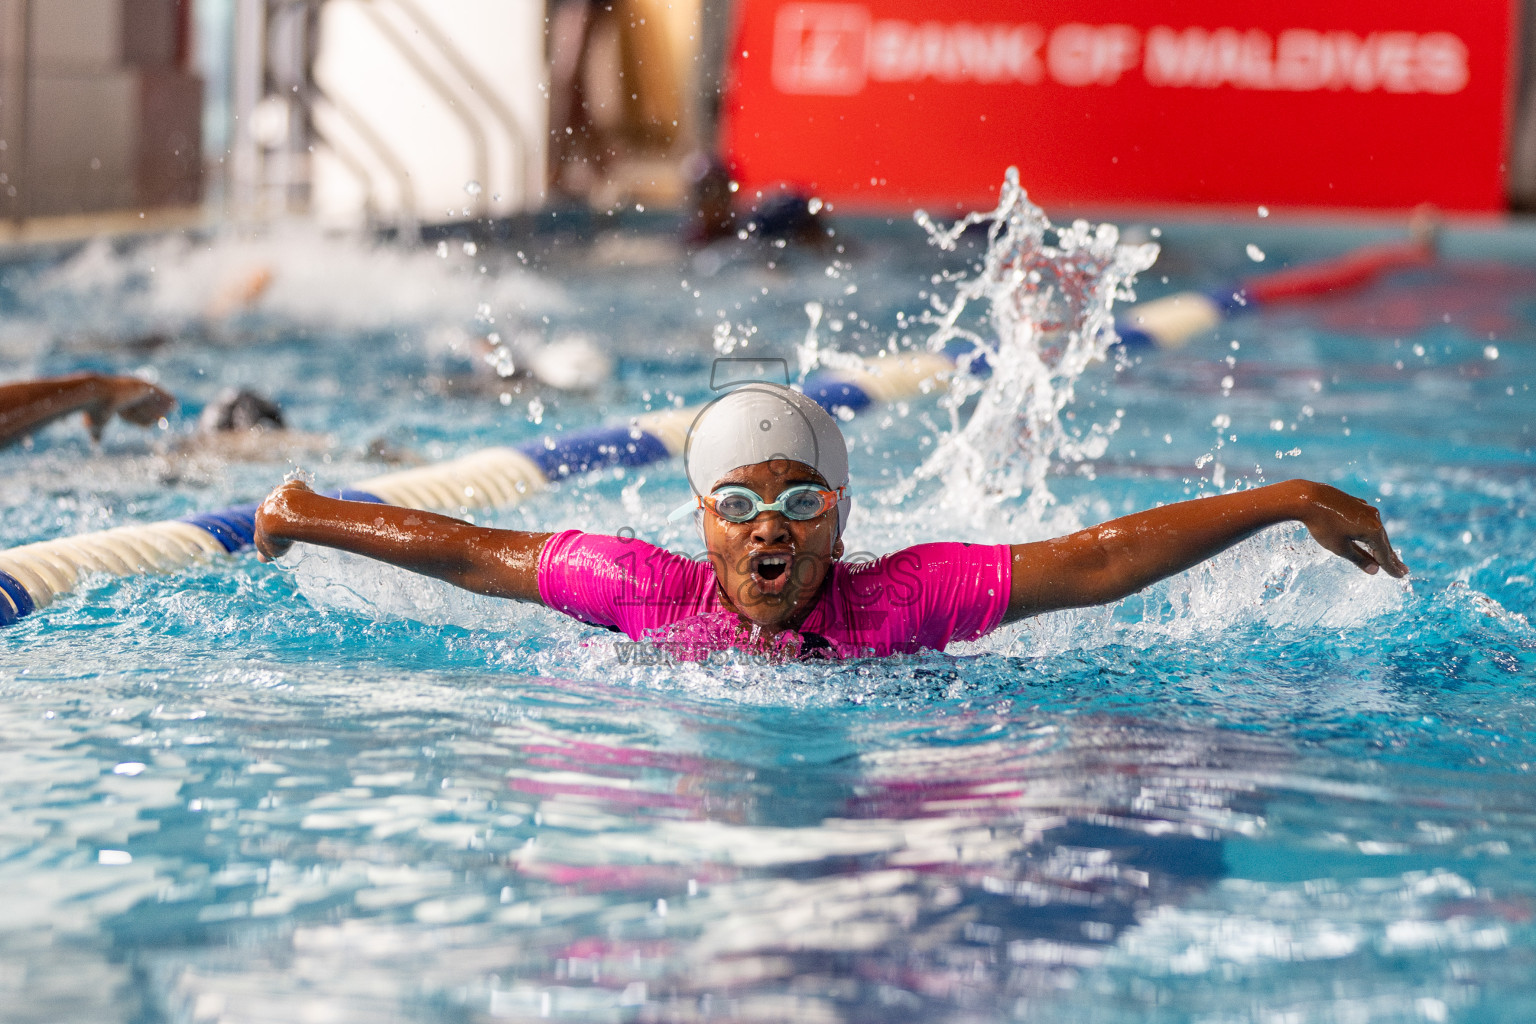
(687, 508)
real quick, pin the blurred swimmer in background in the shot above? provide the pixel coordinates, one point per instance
(243, 425)
(716, 232)
(26, 406)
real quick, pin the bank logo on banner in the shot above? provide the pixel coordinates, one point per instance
(819, 49)
(837, 49)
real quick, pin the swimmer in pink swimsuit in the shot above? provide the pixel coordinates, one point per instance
(769, 473)
(921, 597)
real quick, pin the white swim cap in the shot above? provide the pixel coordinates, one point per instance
(760, 422)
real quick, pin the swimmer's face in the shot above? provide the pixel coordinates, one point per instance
(771, 567)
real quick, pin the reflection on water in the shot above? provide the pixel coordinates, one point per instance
(540, 864)
(476, 848)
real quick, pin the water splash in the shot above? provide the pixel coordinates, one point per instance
(808, 352)
(221, 288)
(1048, 292)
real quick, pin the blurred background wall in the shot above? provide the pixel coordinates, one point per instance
(397, 113)
(101, 109)
(1296, 103)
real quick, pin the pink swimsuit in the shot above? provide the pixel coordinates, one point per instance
(920, 597)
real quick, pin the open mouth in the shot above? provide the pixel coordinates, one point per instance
(771, 571)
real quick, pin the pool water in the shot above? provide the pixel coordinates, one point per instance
(1271, 789)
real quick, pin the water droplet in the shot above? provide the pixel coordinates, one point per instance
(1490, 351)
(1255, 253)
(473, 188)
(1263, 211)
(725, 344)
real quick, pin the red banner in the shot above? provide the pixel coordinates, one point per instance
(1302, 103)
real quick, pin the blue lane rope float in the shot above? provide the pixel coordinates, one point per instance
(33, 575)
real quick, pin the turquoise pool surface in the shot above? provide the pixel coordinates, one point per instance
(1269, 790)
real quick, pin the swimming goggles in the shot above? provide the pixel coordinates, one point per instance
(737, 504)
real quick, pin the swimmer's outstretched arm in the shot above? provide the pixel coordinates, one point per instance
(501, 563)
(28, 405)
(1116, 559)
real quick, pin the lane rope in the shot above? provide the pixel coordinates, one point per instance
(32, 575)
(1171, 321)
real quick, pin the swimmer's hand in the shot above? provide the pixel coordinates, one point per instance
(498, 563)
(1348, 527)
(130, 399)
(273, 517)
(28, 405)
(1113, 560)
